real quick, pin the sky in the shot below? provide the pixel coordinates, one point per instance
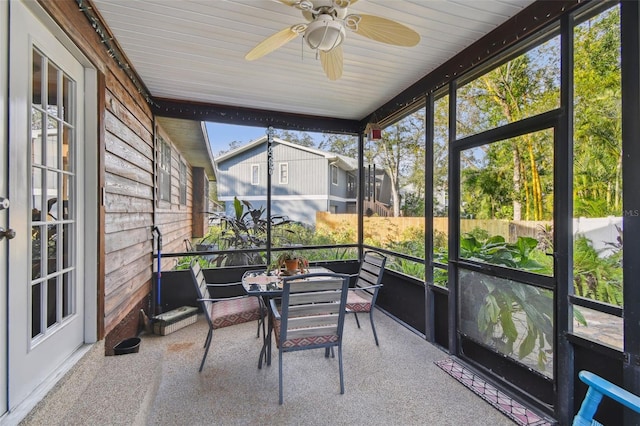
(220, 135)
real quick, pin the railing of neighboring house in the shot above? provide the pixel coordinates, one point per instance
(378, 208)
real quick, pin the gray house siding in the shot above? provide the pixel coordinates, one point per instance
(306, 189)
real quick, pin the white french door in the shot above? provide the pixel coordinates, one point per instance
(45, 185)
(4, 70)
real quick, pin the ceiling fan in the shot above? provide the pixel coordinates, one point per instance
(325, 31)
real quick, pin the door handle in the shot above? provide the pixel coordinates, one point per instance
(4, 203)
(10, 234)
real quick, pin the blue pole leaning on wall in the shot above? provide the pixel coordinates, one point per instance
(158, 300)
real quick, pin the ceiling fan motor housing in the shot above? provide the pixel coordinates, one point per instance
(325, 33)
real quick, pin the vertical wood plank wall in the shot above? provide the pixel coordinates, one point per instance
(128, 179)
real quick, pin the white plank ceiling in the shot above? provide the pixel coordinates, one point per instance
(193, 50)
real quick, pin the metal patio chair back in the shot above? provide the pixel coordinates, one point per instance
(362, 297)
(310, 315)
(224, 305)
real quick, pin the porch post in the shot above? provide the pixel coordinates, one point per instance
(630, 38)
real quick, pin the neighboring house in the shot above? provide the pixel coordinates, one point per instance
(85, 194)
(304, 180)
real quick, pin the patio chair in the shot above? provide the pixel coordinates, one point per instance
(229, 305)
(310, 315)
(599, 387)
(362, 297)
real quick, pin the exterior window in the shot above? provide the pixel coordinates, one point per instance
(183, 183)
(164, 187)
(351, 185)
(284, 173)
(334, 174)
(255, 174)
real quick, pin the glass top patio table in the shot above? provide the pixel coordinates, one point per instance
(267, 285)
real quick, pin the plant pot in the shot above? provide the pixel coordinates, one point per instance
(127, 346)
(292, 265)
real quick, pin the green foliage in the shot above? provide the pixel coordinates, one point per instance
(247, 229)
(595, 276)
(504, 303)
(497, 251)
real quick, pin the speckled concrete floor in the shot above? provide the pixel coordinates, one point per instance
(396, 383)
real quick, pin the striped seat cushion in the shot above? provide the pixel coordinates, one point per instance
(237, 311)
(303, 341)
(357, 303)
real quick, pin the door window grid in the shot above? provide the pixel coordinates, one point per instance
(52, 188)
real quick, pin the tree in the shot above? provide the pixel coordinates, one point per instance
(342, 144)
(399, 152)
(520, 88)
(300, 138)
(597, 129)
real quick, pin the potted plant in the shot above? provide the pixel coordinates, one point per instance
(291, 263)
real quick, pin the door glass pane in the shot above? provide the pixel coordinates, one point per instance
(37, 124)
(67, 137)
(52, 143)
(36, 309)
(36, 79)
(52, 89)
(52, 248)
(67, 296)
(37, 234)
(506, 207)
(67, 94)
(65, 248)
(52, 301)
(511, 318)
(66, 196)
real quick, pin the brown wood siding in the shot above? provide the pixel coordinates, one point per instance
(126, 133)
(174, 220)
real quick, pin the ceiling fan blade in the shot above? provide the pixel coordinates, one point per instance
(271, 43)
(343, 3)
(290, 2)
(382, 30)
(332, 62)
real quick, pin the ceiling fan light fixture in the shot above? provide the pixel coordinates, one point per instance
(324, 33)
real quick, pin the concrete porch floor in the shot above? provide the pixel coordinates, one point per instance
(396, 383)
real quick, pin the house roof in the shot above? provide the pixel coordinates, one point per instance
(343, 162)
(191, 138)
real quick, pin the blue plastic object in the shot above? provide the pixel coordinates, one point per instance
(598, 387)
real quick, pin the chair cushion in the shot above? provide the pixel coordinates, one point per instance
(230, 312)
(303, 341)
(357, 303)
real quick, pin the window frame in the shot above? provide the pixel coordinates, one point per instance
(255, 174)
(283, 167)
(183, 178)
(164, 170)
